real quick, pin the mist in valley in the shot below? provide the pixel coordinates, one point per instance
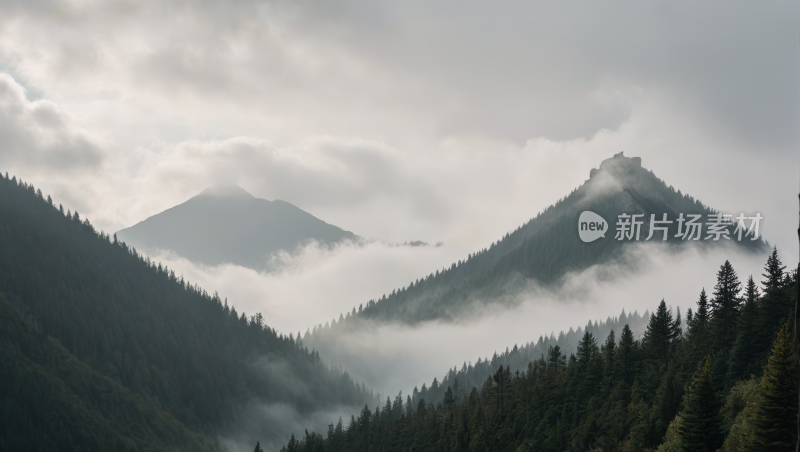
(319, 284)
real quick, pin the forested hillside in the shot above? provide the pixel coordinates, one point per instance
(729, 381)
(517, 358)
(92, 328)
(543, 250)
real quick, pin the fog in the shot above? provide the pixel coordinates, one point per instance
(319, 284)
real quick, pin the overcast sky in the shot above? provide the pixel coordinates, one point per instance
(400, 120)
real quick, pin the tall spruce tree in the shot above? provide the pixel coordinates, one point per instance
(702, 317)
(774, 272)
(725, 305)
(625, 356)
(701, 426)
(745, 348)
(609, 348)
(776, 418)
(660, 333)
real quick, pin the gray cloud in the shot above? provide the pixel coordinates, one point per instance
(508, 70)
(39, 135)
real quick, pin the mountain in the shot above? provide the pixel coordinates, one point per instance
(544, 249)
(102, 349)
(225, 224)
(680, 386)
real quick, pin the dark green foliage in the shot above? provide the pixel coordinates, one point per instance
(776, 415)
(49, 400)
(150, 332)
(701, 423)
(725, 305)
(661, 333)
(258, 448)
(745, 348)
(774, 272)
(624, 396)
(518, 358)
(777, 302)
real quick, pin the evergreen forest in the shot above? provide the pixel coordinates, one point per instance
(725, 379)
(103, 349)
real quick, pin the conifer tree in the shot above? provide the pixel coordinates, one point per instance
(700, 428)
(751, 291)
(608, 353)
(258, 447)
(774, 272)
(725, 304)
(776, 418)
(625, 355)
(745, 347)
(587, 347)
(702, 316)
(660, 333)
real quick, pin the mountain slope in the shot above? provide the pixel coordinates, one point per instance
(546, 248)
(52, 401)
(169, 344)
(615, 393)
(225, 224)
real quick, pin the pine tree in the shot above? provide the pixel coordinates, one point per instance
(700, 428)
(660, 333)
(608, 354)
(776, 418)
(745, 348)
(774, 275)
(751, 291)
(625, 355)
(775, 305)
(725, 304)
(587, 347)
(258, 447)
(702, 316)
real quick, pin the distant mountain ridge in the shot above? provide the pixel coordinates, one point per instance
(226, 224)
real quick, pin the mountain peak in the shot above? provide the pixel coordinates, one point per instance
(618, 165)
(225, 224)
(225, 191)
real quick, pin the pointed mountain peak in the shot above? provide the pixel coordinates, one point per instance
(618, 165)
(225, 191)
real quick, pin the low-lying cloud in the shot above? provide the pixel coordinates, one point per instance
(318, 284)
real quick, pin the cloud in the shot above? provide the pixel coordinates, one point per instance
(39, 135)
(402, 120)
(317, 283)
(505, 70)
